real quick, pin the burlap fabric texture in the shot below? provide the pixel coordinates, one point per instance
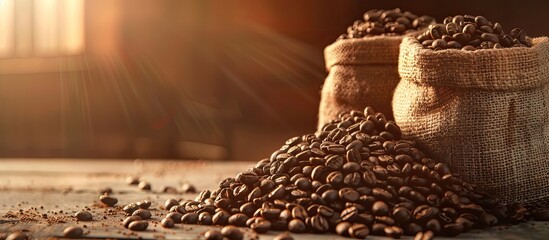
(361, 72)
(484, 112)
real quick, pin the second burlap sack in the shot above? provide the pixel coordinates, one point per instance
(484, 112)
(362, 72)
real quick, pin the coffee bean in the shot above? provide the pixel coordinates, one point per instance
(130, 208)
(380, 208)
(393, 231)
(401, 215)
(139, 225)
(128, 220)
(132, 180)
(143, 213)
(349, 214)
(342, 228)
(83, 216)
(145, 186)
(238, 219)
(170, 203)
(167, 222)
(213, 234)
(16, 236)
(145, 204)
(189, 218)
(452, 229)
(262, 226)
(108, 200)
(319, 224)
(348, 194)
(205, 218)
(541, 214)
(175, 216)
(297, 226)
(358, 230)
(232, 233)
(487, 220)
(469, 33)
(73, 232)
(427, 235)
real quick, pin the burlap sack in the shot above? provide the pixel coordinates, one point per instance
(362, 72)
(485, 113)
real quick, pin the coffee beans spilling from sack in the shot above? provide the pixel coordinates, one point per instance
(471, 33)
(386, 22)
(355, 177)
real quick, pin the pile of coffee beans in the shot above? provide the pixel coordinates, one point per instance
(470, 33)
(386, 22)
(356, 177)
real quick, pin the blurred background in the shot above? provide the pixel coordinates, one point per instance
(181, 79)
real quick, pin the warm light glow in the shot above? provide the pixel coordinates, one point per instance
(71, 21)
(23, 28)
(46, 27)
(6, 27)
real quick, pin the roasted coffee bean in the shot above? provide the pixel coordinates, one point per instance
(393, 231)
(270, 213)
(175, 216)
(297, 226)
(130, 208)
(487, 220)
(220, 218)
(352, 179)
(358, 230)
(349, 214)
(319, 224)
(167, 223)
(469, 33)
(73, 232)
(170, 203)
(334, 178)
(143, 213)
(145, 186)
(189, 218)
(427, 235)
(205, 218)
(380, 208)
(128, 220)
(232, 233)
(139, 225)
(330, 196)
(378, 229)
(261, 226)
(83, 216)
(348, 194)
(401, 215)
(108, 200)
(213, 234)
(238, 219)
(145, 204)
(132, 180)
(342, 228)
(541, 214)
(452, 229)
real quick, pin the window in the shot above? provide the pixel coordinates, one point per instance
(41, 28)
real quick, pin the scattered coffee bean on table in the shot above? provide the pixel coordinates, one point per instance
(471, 33)
(188, 188)
(83, 216)
(145, 186)
(73, 232)
(130, 219)
(108, 200)
(167, 222)
(231, 232)
(213, 234)
(17, 236)
(386, 22)
(139, 225)
(355, 177)
(132, 180)
(145, 204)
(142, 213)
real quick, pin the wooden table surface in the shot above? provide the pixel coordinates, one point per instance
(40, 196)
